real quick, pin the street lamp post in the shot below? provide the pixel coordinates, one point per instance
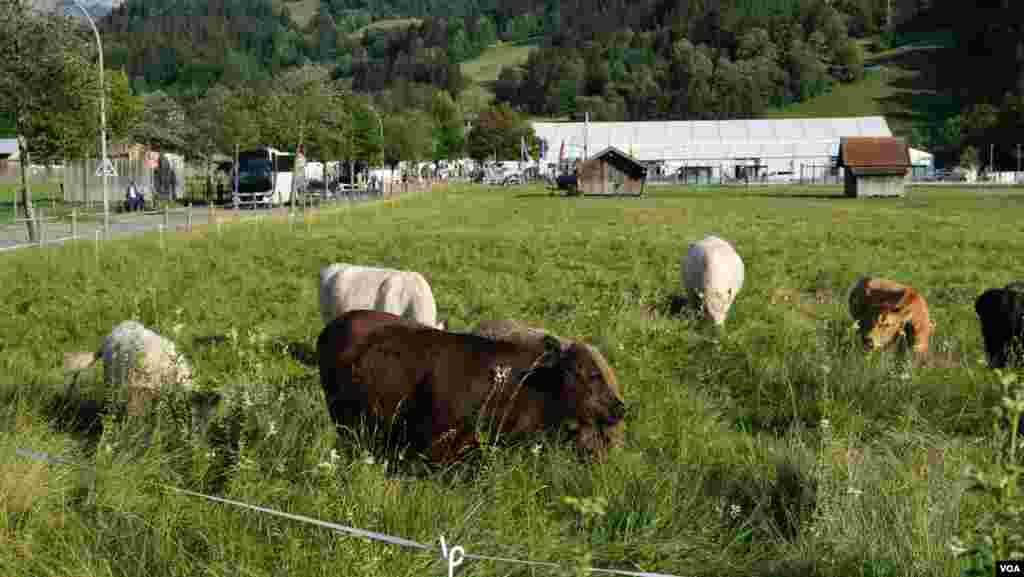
(380, 123)
(103, 124)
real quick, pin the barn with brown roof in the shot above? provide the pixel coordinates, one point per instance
(611, 172)
(874, 166)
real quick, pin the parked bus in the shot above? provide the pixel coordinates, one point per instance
(264, 177)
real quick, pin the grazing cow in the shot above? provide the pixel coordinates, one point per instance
(346, 287)
(713, 276)
(442, 387)
(1001, 311)
(138, 359)
(885, 309)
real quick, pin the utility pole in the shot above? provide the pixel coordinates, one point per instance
(586, 135)
(991, 164)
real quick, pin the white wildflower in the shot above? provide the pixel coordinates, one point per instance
(536, 449)
(735, 511)
(854, 491)
(272, 429)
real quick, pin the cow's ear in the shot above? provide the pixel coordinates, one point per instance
(988, 303)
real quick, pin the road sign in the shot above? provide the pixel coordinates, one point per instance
(106, 168)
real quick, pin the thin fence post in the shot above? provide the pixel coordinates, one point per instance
(74, 223)
(188, 217)
(167, 216)
(161, 228)
(41, 221)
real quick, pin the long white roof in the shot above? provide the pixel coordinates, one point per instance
(710, 139)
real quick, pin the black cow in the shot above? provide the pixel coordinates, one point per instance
(1001, 311)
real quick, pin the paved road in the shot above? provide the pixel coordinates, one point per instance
(15, 236)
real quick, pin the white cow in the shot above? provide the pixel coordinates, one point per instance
(713, 275)
(347, 287)
(138, 359)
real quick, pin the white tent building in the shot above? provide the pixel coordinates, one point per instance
(708, 149)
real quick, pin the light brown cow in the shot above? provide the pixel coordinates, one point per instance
(886, 310)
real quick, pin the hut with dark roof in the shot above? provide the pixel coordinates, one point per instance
(611, 172)
(874, 166)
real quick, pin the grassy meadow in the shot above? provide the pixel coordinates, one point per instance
(774, 447)
(486, 67)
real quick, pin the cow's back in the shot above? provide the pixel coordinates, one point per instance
(407, 294)
(713, 270)
(346, 287)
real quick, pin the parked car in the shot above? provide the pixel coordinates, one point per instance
(566, 181)
(512, 179)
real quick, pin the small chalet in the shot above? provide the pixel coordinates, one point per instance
(611, 172)
(874, 166)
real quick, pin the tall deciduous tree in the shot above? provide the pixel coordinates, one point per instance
(42, 83)
(409, 137)
(499, 132)
(449, 131)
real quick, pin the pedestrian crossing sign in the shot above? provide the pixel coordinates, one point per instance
(106, 168)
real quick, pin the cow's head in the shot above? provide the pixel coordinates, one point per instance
(585, 393)
(890, 322)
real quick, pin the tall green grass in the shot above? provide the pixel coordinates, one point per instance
(773, 447)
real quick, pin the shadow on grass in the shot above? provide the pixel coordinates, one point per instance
(811, 195)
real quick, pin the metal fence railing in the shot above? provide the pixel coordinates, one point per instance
(84, 221)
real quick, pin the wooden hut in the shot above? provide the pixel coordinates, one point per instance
(611, 172)
(874, 166)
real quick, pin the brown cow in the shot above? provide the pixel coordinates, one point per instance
(885, 310)
(443, 387)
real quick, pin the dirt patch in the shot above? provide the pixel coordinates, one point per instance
(791, 296)
(21, 485)
(780, 296)
(227, 217)
(312, 216)
(646, 216)
(279, 215)
(197, 232)
(846, 457)
(840, 216)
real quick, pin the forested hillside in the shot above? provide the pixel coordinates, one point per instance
(616, 59)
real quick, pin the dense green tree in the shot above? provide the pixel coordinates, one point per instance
(449, 128)
(7, 125)
(408, 137)
(43, 84)
(499, 131)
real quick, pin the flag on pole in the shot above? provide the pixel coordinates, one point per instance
(522, 148)
(561, 151)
